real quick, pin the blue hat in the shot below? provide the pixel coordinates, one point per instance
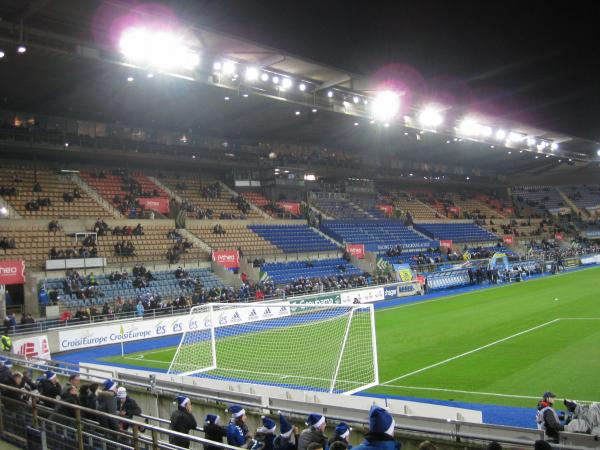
(236, 411)
(182, 401)
(284, 426)
(343, 430)
(109, 385)
(212, 418)
(315, 420)
(8, 363)
(49, 375)
(381, 421)
(268, 424)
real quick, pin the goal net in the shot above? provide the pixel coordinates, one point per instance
(329, 348)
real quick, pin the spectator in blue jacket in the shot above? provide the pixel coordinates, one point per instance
(237, 430)
(381, 431)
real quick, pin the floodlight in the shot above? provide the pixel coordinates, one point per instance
(150, 75)
(468, 178)
(228, 67)
(554, 146)
(251, 74)
(470, 127)
(226, 99)
(355, 99)
(245, 95)
(217, 66)
(286, 83)
(314, 110)
(598, 152)
(430, 117)
(302, 87)
(130, 79)
(513, 136)
(386, 105)
(530, 142)
(485, 131)
(297, 113)
(355, 124)
(275, 79)
(386, 125)
(264, 77)
(329, 94)
(1, 54)
(21, 48)
(500, 135)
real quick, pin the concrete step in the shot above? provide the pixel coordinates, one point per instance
(96, 196)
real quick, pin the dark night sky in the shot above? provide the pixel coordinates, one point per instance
(530, 61)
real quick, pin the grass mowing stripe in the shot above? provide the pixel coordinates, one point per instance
(483, 347)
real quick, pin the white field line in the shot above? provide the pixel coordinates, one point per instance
(146, 360)
(445, 297)
(492, 394)
(483, 347)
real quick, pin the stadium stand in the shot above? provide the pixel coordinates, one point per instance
(542, 199)
(65, 198)
(115, 186)
(287, 272)
(473, 208)
(206, 198)
(584, 197)
(234, 237)
(294, 238)
(33, 243)
(376, 235)
(404, 202)
(349, 208)
(457, 232)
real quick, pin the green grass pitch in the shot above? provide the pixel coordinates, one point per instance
(505, 345)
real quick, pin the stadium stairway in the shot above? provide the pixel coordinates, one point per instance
(253, 207)
(195, 240)
(571, 204)
(96, 196)
(166, 189)
(12, 212)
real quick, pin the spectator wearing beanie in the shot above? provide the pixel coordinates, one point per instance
(182, 421)
(265, 435)
(126, 406)
(48, 386)
(381, 431)
(314, 433)
(106, 401)
(339, 441)
(288, 437)
(213, 430)
(237, 430)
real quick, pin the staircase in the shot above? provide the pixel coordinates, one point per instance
(12, 212)
(572, 204)
(195, 240)
(253, 207)
(96, 196)
(171, 194)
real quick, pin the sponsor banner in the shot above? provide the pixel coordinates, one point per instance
(93, 336)
(508, 239)
(160, 204)
(291, 207)
(421, 279)
(357, 250)
(447, 243)
(572, 262)
(33, 347)
(321, 299)
(363, 296)
(509, 211)
(590, 259)
(230, 259)
(454, 210)
(12, 271)
(592, 234)
(388, 210)
(558, 236)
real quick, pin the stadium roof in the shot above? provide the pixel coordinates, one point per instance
(71, 67)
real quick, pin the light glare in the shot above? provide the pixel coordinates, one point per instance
(251, 74)
(386, 105)
(430, 117)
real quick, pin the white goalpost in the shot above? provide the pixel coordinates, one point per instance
(324, 347)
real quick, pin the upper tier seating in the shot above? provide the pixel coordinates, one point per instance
(341, 208)
(409, 204)
(33, 244)
(53, 187)
(584, 197)
(111, 185)
(193, 190)
(164, 284)
(282, 273)
(457, 232)
(540, 198)
(152, 246)
(235, 236)
(376, 235)
(294, 238)
(473, 207)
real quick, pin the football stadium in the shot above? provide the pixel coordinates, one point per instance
(214, 238)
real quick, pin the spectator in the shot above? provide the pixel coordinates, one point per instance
(237, 430)
(74, 380)
(547, 419)
(48, 386)
(37, 187)
(5, 370)
(381, 431)
(107, 402)
(15, 398)
(182, 421)
(265, 435)
(213, 431)
(339, 441)
(491, 446)
(139, 309)
(87, 398)
(68, 395)
(426, 445)
(314, 433)
(5, 340)
(288, 437)
(126, 406)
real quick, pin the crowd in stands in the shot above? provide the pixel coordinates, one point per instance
(180, 246)
(69, 197)
(320, 284)
(125, 248)
(36, 205)
(7, 243)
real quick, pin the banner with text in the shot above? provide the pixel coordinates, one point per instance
(446, 243)
(403, 272)
(508, 239)
(115, 333)
(12, 271)
(357, 250)
(160, 204)
(388, 210)
(291, 207)
(230, 259)
(33, 347)
(369, 295)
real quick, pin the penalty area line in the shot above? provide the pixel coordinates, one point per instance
(475, 350)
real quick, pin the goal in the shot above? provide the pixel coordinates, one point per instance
(324, 347)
